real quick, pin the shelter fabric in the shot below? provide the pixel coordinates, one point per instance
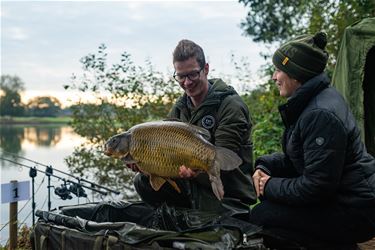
(354, 76)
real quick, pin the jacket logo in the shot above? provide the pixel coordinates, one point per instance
(208, 121)
(319, 141)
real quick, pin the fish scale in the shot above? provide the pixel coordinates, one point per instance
(162, 149)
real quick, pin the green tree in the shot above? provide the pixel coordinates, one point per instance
(10, 99)
(263, 104)
(278, 20)
(126, 94)
(44, 106)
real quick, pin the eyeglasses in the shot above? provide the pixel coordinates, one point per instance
(192, 76)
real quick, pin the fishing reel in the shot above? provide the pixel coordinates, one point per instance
(63, 192)
(77, 190)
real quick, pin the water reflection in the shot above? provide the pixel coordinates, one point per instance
(15, 138)
(12, 137)
(43, 136)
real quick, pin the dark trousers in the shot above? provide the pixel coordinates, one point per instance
(166, 194)
(315, 226)
(193, 195)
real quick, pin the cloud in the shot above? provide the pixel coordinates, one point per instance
(59, 33)
(16, 33)
(41, 76)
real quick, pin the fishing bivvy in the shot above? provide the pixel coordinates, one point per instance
(135, 225)
(354, 76)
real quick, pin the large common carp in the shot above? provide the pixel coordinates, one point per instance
(160, 148)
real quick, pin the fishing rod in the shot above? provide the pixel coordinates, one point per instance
(58, 177)
(49, 168)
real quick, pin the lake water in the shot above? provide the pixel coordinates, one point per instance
(45, 144)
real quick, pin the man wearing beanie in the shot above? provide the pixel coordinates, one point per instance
(320, 192)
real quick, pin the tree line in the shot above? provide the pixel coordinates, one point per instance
(12, 105)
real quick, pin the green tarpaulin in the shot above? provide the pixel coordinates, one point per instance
(354, 76)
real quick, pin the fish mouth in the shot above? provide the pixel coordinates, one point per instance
(108, 152)
(111, 145)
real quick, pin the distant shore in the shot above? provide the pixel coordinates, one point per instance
(6, 120)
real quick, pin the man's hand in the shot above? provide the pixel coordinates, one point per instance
(260, 179)
(133, 167)
(186, 172)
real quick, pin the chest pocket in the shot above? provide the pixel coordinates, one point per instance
(294, 149)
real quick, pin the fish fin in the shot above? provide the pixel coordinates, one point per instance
(202, 131)
(128, 159)
(216, 184)
(174, 185)
(226, 159)
(156, 182)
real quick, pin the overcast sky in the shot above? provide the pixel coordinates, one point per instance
(42, 41)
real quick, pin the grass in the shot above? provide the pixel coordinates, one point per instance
(34, 120)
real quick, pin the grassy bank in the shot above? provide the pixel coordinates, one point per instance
(34, 120)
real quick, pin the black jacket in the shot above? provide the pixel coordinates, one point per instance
(324, 159)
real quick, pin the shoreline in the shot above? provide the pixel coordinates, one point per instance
(34, 120)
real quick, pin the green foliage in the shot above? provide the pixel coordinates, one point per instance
(279, 20)
(11, 83)
(263, 104)
(10, 98)
(126, 95)
(273, 20)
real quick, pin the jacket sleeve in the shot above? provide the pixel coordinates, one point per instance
(234, 124)
(276, 165)
(323, 137)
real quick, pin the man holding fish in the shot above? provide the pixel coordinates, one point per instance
(215, 117)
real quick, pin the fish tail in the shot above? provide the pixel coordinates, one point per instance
(226, 159)
(217, 186)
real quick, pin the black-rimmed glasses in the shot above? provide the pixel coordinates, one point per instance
(192, 76)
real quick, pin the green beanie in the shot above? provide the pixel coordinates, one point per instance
(303, 57)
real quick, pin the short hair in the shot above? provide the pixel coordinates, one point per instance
(186, 49)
